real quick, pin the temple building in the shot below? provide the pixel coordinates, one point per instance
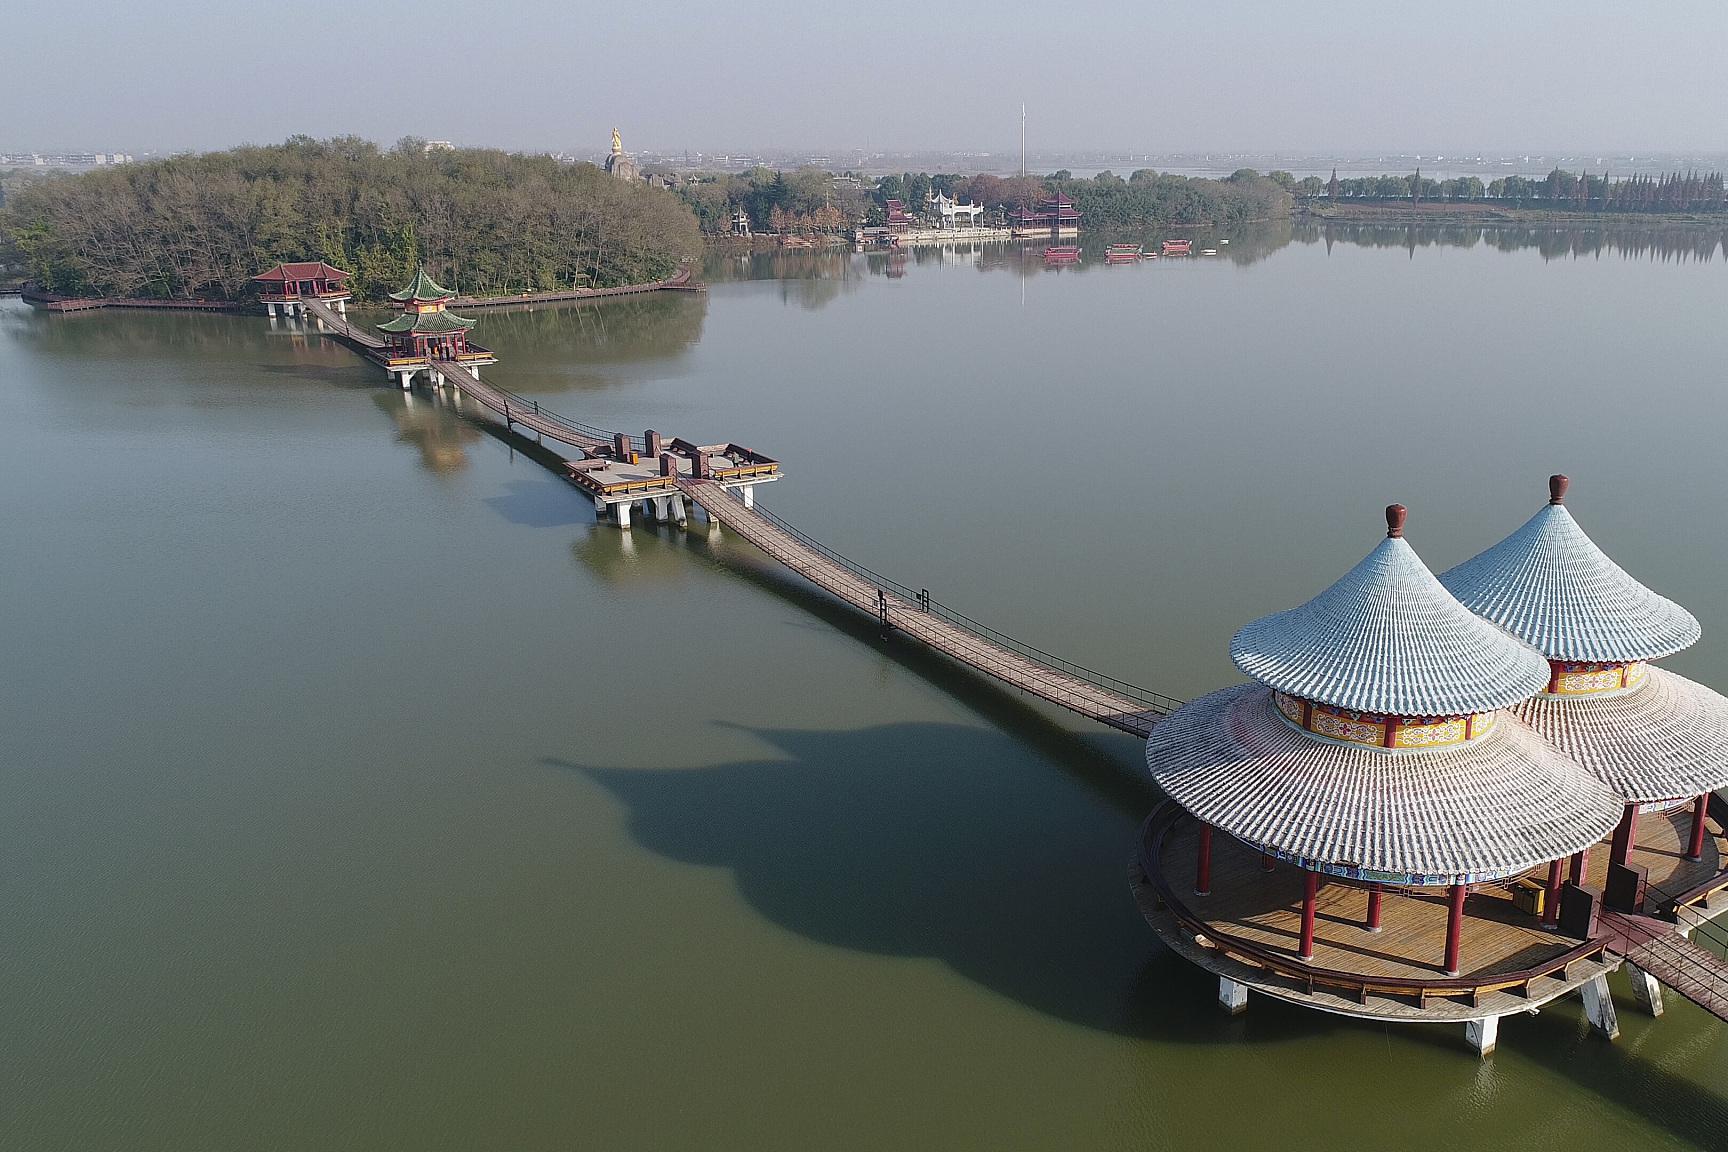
(1658, 739)
(1054, 216)
(895, 218)
(619, 163)
(289, 286)
(424, 331)
(1371, 784)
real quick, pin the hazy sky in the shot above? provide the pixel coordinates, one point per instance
(1144, 75)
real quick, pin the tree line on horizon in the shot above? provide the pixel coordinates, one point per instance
(817, 201)
(1580, 192)
(483, 222)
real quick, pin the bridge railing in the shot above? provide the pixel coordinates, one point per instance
(522, 406)
(921, 599)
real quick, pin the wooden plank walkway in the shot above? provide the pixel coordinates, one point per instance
(1657, 947)
(526, 414)
(952, 640)
(1265, 909)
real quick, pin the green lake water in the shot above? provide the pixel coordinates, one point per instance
(359, 791)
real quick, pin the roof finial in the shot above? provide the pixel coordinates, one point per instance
(1395, 514)
(1557, 485)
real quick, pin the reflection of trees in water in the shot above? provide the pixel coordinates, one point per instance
(440, 436)
(140, 335)
(810, 278)
(621, 330)
(1552, 241)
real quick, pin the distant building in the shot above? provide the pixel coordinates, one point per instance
(619, 163)
(950, 211)
(432, 146)
(895, 218)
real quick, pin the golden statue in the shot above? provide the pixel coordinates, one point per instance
(617, 142)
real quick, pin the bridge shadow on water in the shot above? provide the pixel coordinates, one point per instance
(937, 841)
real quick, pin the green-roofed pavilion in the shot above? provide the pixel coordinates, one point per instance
(422, 290)
(426, 323)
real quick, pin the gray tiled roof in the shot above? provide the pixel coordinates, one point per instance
(1549, 584)
(1665, 739)
(1388, 638)
(1495, 806)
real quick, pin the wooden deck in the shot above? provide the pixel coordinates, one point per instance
(1265, 909)
(951, 639)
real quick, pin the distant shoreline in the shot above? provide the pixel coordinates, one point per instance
(1479, 212)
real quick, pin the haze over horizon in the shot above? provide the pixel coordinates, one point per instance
(1340, 76)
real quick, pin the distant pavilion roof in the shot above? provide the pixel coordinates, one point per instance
(1491, 807)
(423, 289)
(1550, 585)
(1388, 639)
(427, 323)
(304, 270)
(1664, 740)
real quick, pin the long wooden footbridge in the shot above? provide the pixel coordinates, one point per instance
(620, 471)
(912, 613)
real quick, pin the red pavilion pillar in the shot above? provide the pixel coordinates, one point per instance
(1580, 867)
(1700, 809)
(1551, 898)
(1375, 892)
(1625, 836)
(1310, 889)
(1203, 862)
(1454, 926)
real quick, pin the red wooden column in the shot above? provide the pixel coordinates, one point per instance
(1551, 899)
(1203, 864)
(1580, 867)
(1454, 926)
(1700, 808)
(1310, 889)
(1375, 892)
(1625, 836)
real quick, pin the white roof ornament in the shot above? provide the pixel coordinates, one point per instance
(1387, 638)
(1550, 585)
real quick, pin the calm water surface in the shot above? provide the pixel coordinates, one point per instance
(358, 791)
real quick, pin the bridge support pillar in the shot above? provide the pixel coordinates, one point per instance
(749, 496)
(599, 508)
(271, 309)
(621, 510)
(1483, 1034)
(1599, 1008)
(676, 500)
(1232, 996)
(342, 307)
(663, 509)
(407, 379)
(1646, 990)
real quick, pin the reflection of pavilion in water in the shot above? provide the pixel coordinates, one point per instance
(437, 432)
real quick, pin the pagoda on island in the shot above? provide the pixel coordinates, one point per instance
(1380, 806)
(1658, 739)
(1053, 216)
(290, 286)
(425, 330)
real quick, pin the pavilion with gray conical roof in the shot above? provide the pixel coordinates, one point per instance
(1373, 747)
(1658, 739)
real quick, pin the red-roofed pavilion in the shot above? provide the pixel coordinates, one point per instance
(290, 285)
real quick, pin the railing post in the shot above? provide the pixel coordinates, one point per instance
(882, 607)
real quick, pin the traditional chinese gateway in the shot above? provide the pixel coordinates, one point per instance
(1416, 765)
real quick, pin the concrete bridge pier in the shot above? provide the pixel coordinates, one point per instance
(669, 508)
(1483, 1034)
(1232, 996)
(599, 508)
(406, 375)
(270, 308)
(749, 496)
(621, 511)
(1599, 1008)
(1646, 991)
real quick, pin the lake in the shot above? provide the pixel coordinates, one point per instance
(359, 791)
